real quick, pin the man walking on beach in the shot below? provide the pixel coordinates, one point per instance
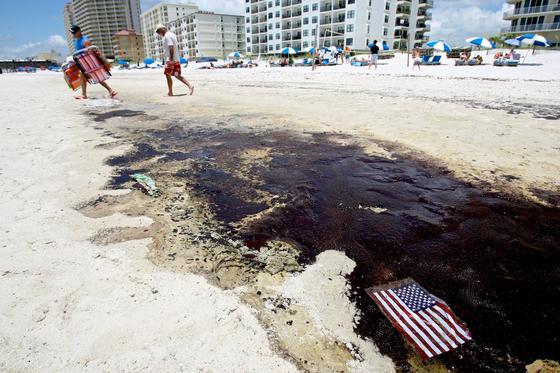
(172, 64)
(374, 54)
(82, 42)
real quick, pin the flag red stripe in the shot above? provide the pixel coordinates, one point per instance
(452, 332)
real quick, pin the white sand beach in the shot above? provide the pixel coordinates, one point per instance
(68, 303)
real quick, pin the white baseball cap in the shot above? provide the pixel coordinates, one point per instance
(160, 26)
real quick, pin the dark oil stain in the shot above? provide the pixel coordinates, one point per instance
(141, 152)
(124, 113)
(122, 177)
(492, 258)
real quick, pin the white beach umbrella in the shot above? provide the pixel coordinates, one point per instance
(439, 45)
(481, 42)
(288, 51)
(534, 40)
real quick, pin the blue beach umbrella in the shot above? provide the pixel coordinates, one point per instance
(182, 60)
(234, 56)
(310, 50)
(288, 51)
(149, 61)
(534, 39)
(122, 62)
(438, 45)
(481, 42)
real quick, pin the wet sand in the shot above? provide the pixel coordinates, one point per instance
(295, 192)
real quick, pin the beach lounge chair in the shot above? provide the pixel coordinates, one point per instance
(436, 60)
(513, 61)
(425, 60)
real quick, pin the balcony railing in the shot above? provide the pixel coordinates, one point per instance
(537, 27)
(533, 10)
(426, 2)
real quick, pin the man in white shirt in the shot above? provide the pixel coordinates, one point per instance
(172, 64)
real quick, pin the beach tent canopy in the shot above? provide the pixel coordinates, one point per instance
(234, 55)
(206, 59)
(288, 51)
(438, 45)
(382, 46)
(534, 39)
(149, 61)
(481, 42)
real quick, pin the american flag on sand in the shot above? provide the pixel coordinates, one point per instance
(426, 322)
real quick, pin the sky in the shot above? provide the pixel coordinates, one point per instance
(38, 25)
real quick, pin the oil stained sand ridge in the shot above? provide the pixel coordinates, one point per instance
(268, 201)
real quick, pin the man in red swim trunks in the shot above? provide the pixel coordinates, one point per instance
(172, 64)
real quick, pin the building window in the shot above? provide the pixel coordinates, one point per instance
(350, 14)
(315, 6)
(349, 42)
(314, 19)
(349, 28)
(306, 8)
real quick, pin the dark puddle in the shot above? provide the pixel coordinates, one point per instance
(493, 259)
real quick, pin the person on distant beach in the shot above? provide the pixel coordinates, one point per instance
(82, 42)
(172, 64)
(417, 60)
(316, 60)
(374, 54)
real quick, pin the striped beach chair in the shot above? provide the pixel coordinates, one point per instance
(91, 65)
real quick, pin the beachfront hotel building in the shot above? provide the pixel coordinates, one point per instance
(129, 46)
(207, 34)
(162, 13)
(200, 33)
(272, 25)
(101, 20)
(534, 16)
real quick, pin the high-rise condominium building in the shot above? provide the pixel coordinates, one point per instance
(535, 16)
(199, 33)
(101, 20)
(163, 13)
(206, 34)
(272, 25)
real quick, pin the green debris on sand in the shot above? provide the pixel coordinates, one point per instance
(147, 183)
